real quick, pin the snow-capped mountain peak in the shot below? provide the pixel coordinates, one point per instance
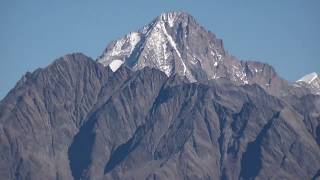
(309, 78)
(175, 43)
(310, 81)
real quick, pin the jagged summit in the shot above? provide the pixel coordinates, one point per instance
(173, 16)
(175, 43)
(170, 17)
(309, 78)
(310, 81)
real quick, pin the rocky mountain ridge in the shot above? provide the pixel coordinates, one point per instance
(175, 43)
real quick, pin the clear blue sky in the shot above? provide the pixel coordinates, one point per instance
(285, 34)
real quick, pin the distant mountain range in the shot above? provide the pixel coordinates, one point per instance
(164, 102)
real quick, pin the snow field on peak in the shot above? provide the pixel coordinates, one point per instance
(157, 43)
(122, 48)
(115, 65)
(173, 44)
(308, 78)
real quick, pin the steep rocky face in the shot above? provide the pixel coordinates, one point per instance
(41, 115)
(175, 43)
(309, 107)
(114, 122)
(76, 119)
(198, 131)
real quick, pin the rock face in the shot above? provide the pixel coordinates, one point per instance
(175, 43)
(41, 115)
(77, 119)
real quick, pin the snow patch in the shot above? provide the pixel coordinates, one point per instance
(157, 43)
(173, 44)
(309, 78)
(240, 74)
(194, 60)
(134, 39)
(219, 57)
(122, 49)
(115, 64)
(212, 53)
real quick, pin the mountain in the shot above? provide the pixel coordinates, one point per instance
(175, 43)
(125, 118)
(310, 81)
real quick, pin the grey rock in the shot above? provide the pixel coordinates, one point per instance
(41, 115)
